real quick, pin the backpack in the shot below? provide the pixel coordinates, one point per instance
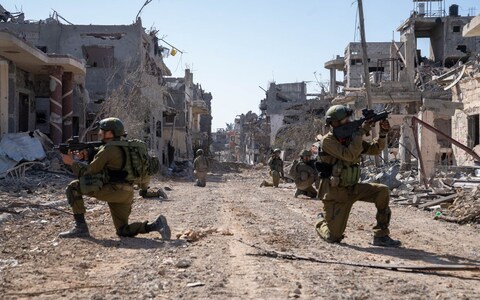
(138, 165)
(293, 168)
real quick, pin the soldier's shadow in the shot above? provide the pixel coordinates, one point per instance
(416, 255)
(135, 242)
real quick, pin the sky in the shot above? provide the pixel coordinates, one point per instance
(235, 48)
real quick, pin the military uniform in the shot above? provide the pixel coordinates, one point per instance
(340, 190)
(104, 178)
(276, 169)
(119, 196)
(305, 177)
(200, 167)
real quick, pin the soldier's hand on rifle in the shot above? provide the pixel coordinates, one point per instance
(82, 154)
(384, 127)
(367, 126)
(67, 158)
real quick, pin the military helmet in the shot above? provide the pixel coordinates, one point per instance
(277, 150)
(114, 125)
(199, 152)
(337, 113)
(304, 153)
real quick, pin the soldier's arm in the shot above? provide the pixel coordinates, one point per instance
(375, 147)
(99, 162)
(346, 153)
(270, 162)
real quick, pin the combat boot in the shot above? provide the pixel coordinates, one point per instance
(297, 193)
(79, 230)
(386, 241)
(161, 193)
(161, 226)
(152, 194)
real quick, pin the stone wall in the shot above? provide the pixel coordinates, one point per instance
(467, 91)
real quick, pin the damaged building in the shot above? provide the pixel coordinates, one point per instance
(251, 138)
(110, 54)
(61, 78)
(188, 126)
(415, 86)
(37, 89)
(465, 86)
(288, 112)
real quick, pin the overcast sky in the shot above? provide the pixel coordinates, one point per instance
(234, 46)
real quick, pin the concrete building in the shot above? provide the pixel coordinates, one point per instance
(251, 138)
(36, 90)
(123, 63)
(466, 90)
(414, 87)
(188, 126)
(278, 98)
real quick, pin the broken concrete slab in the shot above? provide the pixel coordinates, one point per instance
(18, 147)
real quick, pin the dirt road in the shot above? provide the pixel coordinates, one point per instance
(212, 258)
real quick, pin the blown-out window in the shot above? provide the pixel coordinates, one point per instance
(98, 56)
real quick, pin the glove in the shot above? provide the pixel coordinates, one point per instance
(384, 127)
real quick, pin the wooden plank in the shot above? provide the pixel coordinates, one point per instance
(438, 201)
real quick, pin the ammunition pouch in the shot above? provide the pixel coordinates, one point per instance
(117, 176)
(349, 175)
(324, 169)
(91, 183)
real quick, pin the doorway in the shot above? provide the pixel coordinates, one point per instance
(23, 112)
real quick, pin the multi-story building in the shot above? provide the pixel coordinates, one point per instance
(188, 126)
(415, 83)
(123, 70)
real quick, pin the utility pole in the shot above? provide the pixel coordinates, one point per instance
(365, 55)
(366, 75)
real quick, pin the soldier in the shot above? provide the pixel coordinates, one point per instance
(200, 167)
(339, 186)
(93, 182)
(276, 169)
(146, 192)
(305, 175)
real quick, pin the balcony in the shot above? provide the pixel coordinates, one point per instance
(200, 107)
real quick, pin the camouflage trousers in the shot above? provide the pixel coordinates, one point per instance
(275, 177)
(338, 204)
(201, 177)
(119, 197)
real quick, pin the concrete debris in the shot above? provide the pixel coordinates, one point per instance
(195, 235)
(464, 209)
(389, 177)
(20, 147)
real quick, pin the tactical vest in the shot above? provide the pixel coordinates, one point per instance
(350, 175)
(138, 164)
(293, 169)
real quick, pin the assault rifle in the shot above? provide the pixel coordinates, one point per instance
(369, 115)
(74, 144)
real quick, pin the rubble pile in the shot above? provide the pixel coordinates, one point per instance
(227, 167)
(464, 209)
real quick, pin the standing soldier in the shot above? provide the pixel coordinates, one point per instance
(340, 172)
(200, 168)
(305, 175)
(276, 169)
(94, 181)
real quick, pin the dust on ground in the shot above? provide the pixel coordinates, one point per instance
(216, 232)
